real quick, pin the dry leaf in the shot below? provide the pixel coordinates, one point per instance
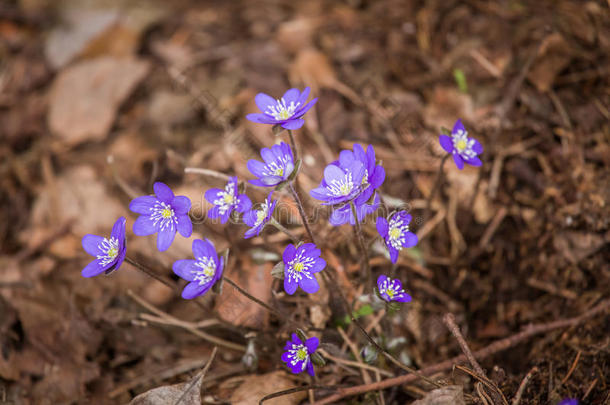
(188, 393)
(85, 97)
(256, 387)
(450, 395)
(554, 56)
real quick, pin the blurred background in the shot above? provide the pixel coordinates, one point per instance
(101, 98)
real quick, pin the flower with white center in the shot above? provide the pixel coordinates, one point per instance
(201, 273)
(341, 184)
(396, 233)
(391, 290)
(164, 214)
(288, 111)
(226, 200)
(461, 147)
(257, 218)
(300, 265)
(297, 354)
(277, 167)
(109, 252)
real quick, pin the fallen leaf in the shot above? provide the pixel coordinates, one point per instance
(85, 97)
(188, 393)
(256, 387)
(449, 395)
(553, 57)
(167, 108)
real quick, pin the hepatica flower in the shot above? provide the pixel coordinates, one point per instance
(226, 200)
(203, 272)
(287, 111)
(396, 233)
(297, 355)
(163, 214)
(462, 148)
(109, 253)
(340, 184)
(278, 166)
(391, 290)
(300, 265)
(344, 214)
(569, 401)
(257, 218)
(374, 174)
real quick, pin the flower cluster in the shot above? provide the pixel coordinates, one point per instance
(109, 253)
(278, 166)
(226, 200)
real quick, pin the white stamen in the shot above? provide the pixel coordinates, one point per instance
(341, 187)
(299, 268)
(163, 214)
(396, 232)
(206, 270)
(281, 111)
(298, 353)
(391, 288)
(110, 249)
(226, 199)
(462, 145)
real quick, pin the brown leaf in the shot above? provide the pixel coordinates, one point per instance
(450, 395)
(554, 56)
(256, 387)
(188, 393)
(85, 97)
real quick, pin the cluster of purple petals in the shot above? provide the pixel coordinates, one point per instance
(277, 166)
(257, 218)
(286, 112)
(109, 252)
(396, 233)
(297, 354)
(226, 200)
(300, 265)
(201, 273)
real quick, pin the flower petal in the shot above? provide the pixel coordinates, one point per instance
(118, 230)
(291, 95)
(165, 238)
(475, 161)
(163, 192)
(264, 101)
(184, 269)
(267, 155)
(185, 226)
(340, 216)
(393, 254)
(304, 95)
(204, 248)
(93, 269)
(194, 290)
(90, 244)
(181, 204)
(289, 287)
(382, 226)
(446, 143)
(256, 167)
(458, 126)
(310, 285)
(318, 266)
(144, 225)
(243, 203)
(143, 204)
(410, 239)
(310, 369)
(477, 147)
(293, 124)
(261, 118)
(459, 162)
(312, 344)
(306, 108)
(212, 195)
(289, 254)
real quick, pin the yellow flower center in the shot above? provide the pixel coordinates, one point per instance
(461, 145)
(166, 213)
(228, 198)
(390, 292)
(260, 216)
(209, 271)
(302, 354)
(279, 171)
(112, 253)
(394, 233)
(345, 189)
(298, 267)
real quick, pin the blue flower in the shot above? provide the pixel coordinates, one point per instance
(297, 355)
(396, 233)
(278, 166)
(226, 200)
(391, 290)
(341, 184)
(258, 218)
(203, 272)
(569, 401)
(109, 253)
(374, 174)
(164, 214)
(344, 213)
(463, 148)
(300, 265)
(287, 111)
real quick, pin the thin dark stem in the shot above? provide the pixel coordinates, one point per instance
(437, 184)
(302, 212)
(293, 145)
(366, 268)
(282, 228)
(292, 391)
(149, 272)
(261, 303)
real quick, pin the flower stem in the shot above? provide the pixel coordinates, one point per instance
(259, 302)
(293, 145)
(149, 272)
(302, 212)
(436, 186)
(282, 228)
(366, 268)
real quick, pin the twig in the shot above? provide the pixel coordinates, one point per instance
(495, 347)
(572, 368)
(354, 349)
(207, 172)
(293, 146)
(302, 212)
(498, 397)
(354, 363)
(292, 391)
(523, 385)
(150, 273)
(199, 377)
(212, 339)
(366, 268)
(449, 320)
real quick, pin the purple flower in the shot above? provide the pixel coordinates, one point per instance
(463, 148)
(340, 184)
(396, 233)
(164, 214)
(203, 272)
(258, 218)
(374, 174)
(278, 166)
(297, 355)
(569, 401)
(109, 253)
(226, 200)
(287, 111)
(300, 264)
(391, 290)
(344, 214)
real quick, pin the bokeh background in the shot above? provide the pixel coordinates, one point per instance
(99, 99)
